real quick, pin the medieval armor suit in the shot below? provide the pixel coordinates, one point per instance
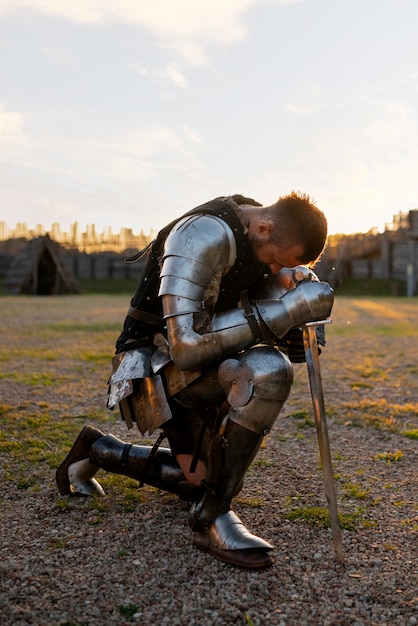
(201, 358)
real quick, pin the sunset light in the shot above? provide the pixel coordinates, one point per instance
(124, 115)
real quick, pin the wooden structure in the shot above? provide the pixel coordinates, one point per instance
(41, 265)
(391, 255)
(39, 269)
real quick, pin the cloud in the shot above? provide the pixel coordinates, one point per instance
(125, 157)
(12, 135)
(391, 128)
(74, 10)
(185, 26)
(105, 179)
(170, 74)
(354, 133)
(142, 154)
(315, 98)
(362, 154)
(182, 18)
(59, 57)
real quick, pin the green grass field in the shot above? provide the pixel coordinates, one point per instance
(55, 358)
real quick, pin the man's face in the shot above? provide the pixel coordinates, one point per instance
(277, 257)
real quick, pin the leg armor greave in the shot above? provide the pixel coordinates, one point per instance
(159, 470)
(257, 385)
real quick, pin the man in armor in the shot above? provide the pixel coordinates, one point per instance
(205, 357)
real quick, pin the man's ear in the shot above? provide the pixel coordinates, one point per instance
(265, 229)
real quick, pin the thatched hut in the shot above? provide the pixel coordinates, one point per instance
(39, 269)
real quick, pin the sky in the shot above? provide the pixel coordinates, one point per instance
(127, 113)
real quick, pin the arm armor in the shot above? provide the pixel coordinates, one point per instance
(231, 331)
(198, 252)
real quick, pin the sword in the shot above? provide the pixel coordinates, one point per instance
(315, 382)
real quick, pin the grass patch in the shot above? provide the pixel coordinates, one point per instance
(411, 434)
(35, 438)
(318, 516)
(127, 611)
(32, 379)
(303, 419)
(381, 414)
(262, 463)
(353, 490)
(68, 327)
(390, 457)
(252, 503)
(371, 287)
(122, 553)
(116, 286)
(361, 386)
(366, 370)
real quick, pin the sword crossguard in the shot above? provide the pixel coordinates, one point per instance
(318, 323)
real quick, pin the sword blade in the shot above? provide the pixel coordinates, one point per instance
(315, 382)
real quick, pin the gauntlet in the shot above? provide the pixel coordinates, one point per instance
(292, 343)
(309, 301)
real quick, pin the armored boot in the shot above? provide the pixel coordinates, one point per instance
(75, 475)
(257, 385)
(217, 529)
(93, 450)
(232, 454)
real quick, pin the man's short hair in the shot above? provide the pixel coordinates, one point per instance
(298, 221)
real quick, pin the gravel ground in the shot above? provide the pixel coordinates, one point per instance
(65, 566)
(66, 562)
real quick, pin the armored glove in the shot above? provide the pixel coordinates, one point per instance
(292, 343)
(309, 301)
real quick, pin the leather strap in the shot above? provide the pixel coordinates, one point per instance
(150, 456)
(125, 454)
(143, 316)
(249, 314)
